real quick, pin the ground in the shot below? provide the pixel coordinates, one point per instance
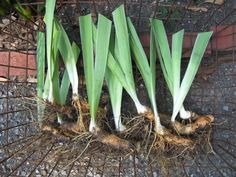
(212, 93)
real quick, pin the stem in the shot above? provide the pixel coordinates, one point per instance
(140, 108)
(93, 126)
(159, 129)
(158, 126)
(119, 126)
(75, 90)
(50, 94)
(41, 110)
(184, 114)
(59, 118)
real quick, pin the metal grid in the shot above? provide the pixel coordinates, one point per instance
(25, 152)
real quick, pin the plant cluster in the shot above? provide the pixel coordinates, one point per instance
(108, 49)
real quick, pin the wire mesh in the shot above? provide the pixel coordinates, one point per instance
(24, 151)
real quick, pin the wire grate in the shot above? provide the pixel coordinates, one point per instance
(26, 152)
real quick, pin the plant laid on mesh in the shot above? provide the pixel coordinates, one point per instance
(120, 65)
(52, 89)
(148, 72)
(94, 68)
(95, 42)
(114, 84)
(171, 66)
(107, 52)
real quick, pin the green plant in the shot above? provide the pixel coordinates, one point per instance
(94, 68)
(113, 84)
(40, 74)
(120, 65)
(171, 64)
(148, 71)
(57, 42)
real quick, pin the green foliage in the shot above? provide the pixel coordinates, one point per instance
(94, 70)
(171, 62)
(40, 63)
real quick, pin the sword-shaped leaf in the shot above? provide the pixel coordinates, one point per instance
(122, 37)
(147, 71)
(94, 70)
(195, 60)
(68, 57)
(65, 83)
(40, 63)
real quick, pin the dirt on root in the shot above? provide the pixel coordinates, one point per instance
(71, 144)
(139, 138)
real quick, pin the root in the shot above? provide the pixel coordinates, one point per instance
(66, 110)
(138, 128)
(173, 139)
(112, 140)
(69, 127)
(50, 128)
(199, 123)
(80, 107)
(149, 114)
(83, 113)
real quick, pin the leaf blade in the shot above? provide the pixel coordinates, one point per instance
(40, 63)
(194, 63)
(102, 48)
(85, 23)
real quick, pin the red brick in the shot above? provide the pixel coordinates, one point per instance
(18, 59)
(3, 71)
(4, 58)
(224, 37)
(17, 63)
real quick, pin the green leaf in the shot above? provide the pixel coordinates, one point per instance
(171, 65)
(55, 59)
(121, 65)
(177, 42)
(196, 57)
(76, 51)
(123, 44)
(86, 32)
(163, 51)
(114, 84)
(46, 86)
(65, 83)
(139, 56)
(64, 89)
(55, 82)
(147, 71)
(94, 73)
(153, 59)
(40, 63)
(115, 68)
(102, 48)
(49, 16)
(68, 57)
(40, 74)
